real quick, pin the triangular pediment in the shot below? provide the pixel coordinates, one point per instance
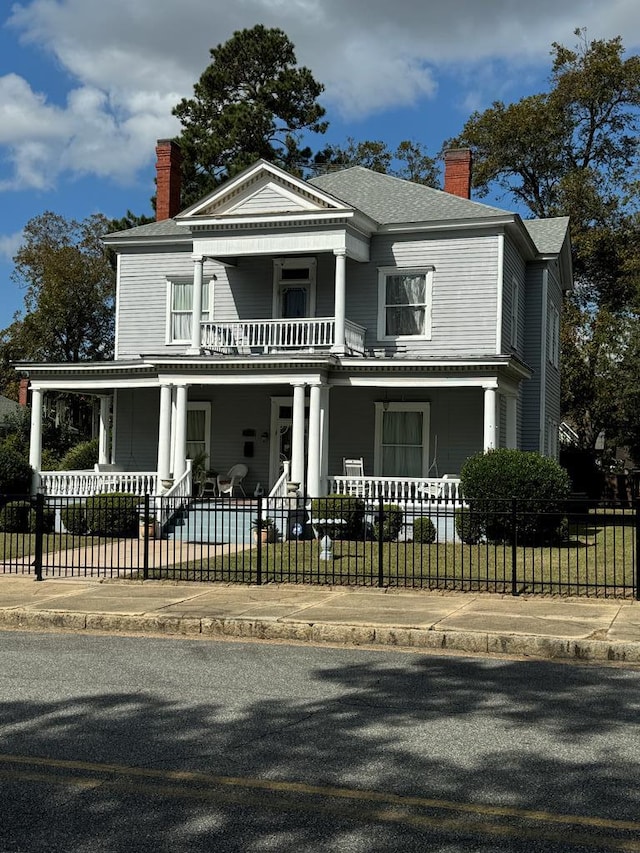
(262, 190)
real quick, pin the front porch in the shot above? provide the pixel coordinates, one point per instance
(404, 490)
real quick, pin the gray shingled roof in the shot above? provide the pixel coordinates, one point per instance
(390, 200)
(164, 228)
(548, 234)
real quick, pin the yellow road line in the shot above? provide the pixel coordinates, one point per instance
(393, 807)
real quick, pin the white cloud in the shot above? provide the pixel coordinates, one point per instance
(9, 245)
(129, 63)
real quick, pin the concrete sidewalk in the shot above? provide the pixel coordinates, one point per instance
(577, 629)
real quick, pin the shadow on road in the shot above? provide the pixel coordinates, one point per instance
(186, 746)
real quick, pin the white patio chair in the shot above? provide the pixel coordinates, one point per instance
(354, 468)
(235, 475)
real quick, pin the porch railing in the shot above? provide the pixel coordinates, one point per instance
(87, 483)
(246, 336)
(398, 488)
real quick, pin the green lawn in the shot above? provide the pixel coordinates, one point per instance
(597, 558)
(593, 556)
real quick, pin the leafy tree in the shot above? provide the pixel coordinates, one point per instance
(409, 160)
(251, 102)
(573, 150)
(69, 294)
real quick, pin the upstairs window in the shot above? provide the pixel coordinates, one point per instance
(515, 310)
(404, 303)
(553, 335)
(181, 307)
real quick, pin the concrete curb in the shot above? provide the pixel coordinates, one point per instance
(472, 642)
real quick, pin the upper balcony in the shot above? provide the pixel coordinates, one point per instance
(311, 334)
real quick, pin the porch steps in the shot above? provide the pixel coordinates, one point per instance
(223, 521)
(213, 521)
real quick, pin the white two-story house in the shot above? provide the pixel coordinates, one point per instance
(353, 315)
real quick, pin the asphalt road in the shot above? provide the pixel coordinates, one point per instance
(144, 744)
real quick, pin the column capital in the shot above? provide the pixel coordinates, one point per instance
(340, 253)
(198, 259)
(490, 386)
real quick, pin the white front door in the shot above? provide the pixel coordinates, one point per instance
(281, 435)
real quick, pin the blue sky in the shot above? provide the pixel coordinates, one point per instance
(87, 86)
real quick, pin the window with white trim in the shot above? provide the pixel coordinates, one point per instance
(553, 335)
(404, 303)
(515, 309)
(401, 439)
(199, 431)
(180, 309)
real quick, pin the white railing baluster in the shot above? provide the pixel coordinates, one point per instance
(305, 333)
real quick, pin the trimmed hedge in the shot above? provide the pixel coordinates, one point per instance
(112, 514)
(539, 485)
(81, 457)
(74, 518)
(345, 507)
(424, 530)
(468, 526)
(20, 517)
(392, 517)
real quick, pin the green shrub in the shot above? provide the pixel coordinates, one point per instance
(540, 486)
(113, 514)
(392, 517)
(74, 518)
(15, 473)
(14, 517)
(468, 527)
(20, 517)
(48, 520)
(424, 530)
(82, 457)
(345, 507)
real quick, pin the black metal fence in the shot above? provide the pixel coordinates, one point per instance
(575, 548)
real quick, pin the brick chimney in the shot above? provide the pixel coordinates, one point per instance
(168, 179)
(457, 172)
(23, 392)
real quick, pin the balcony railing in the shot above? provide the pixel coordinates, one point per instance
(243, 337)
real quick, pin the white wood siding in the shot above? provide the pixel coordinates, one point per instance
(464, 291)
(142, 298)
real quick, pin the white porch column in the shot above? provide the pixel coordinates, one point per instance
(340, 301)
(164, 434)
(512, 421)
(314, 456)
(490, 419)
(297, 437)
(324, 438)
(196, 304)
(104, 455)
(35, 441)
(180, 450)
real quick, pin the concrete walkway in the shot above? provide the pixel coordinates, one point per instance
(558, 628)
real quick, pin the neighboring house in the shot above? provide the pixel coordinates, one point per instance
(353, 315)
